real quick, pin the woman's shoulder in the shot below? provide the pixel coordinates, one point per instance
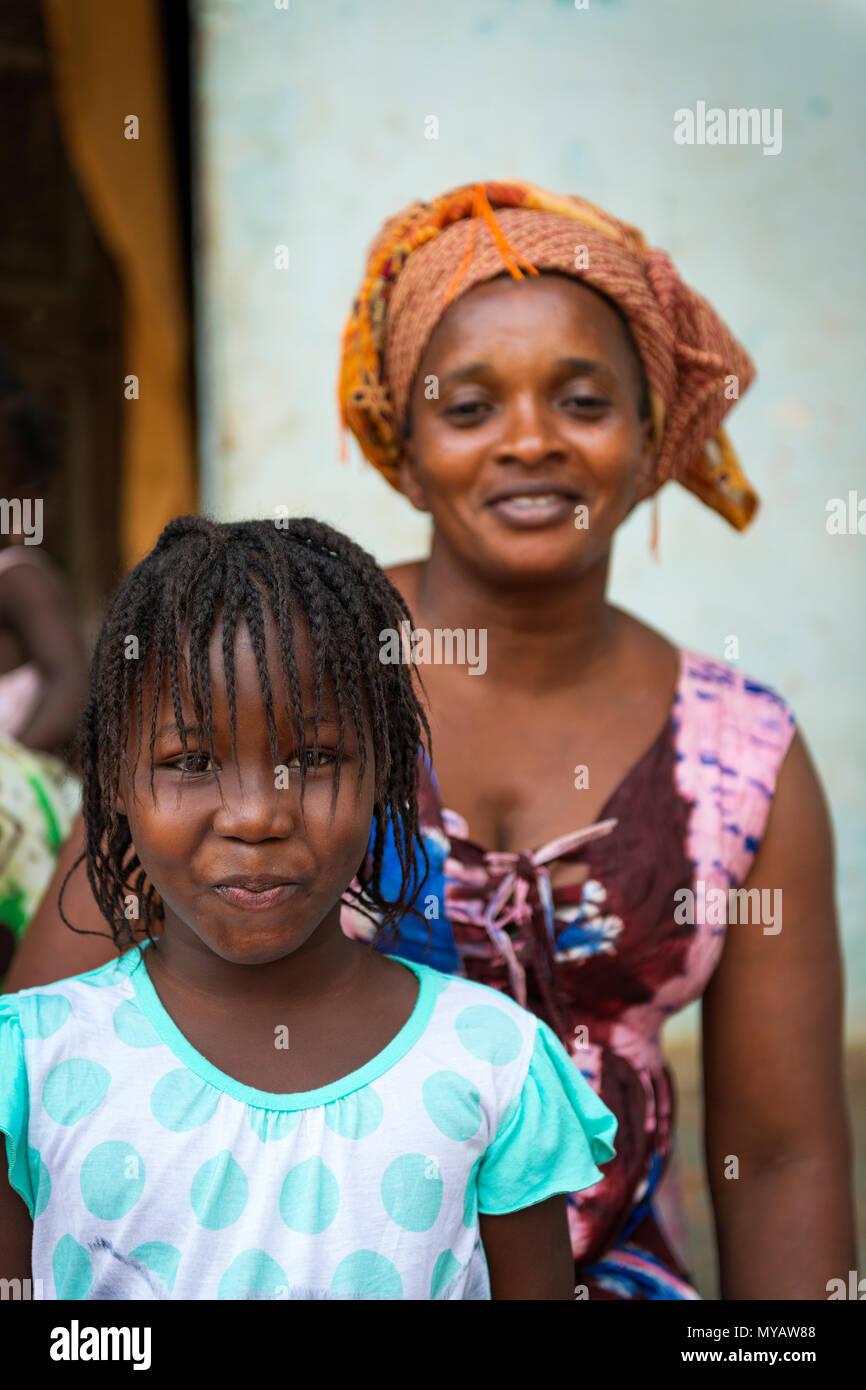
(716, 697)
(12, 555)
(716, 691)
(732, 733)
(31, 565)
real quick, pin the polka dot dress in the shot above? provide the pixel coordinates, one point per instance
(151, 1174)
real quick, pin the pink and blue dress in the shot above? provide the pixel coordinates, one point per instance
(605, 962)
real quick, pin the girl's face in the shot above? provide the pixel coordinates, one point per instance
(533, 452)
(236, 861)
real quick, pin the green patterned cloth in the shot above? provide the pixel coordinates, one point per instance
(39, 798)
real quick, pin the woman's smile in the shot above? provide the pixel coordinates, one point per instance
(533, 503)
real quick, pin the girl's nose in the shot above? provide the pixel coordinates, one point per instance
(256, 807)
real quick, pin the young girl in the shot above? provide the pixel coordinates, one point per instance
(248, 1103)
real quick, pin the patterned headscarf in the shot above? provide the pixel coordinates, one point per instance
(431, 253)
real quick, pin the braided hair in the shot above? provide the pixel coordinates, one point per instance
(201, 575)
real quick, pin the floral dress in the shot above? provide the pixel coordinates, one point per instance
(39, 798)
(606, 961)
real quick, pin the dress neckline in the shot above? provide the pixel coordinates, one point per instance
(604, 812)
(164, 1025)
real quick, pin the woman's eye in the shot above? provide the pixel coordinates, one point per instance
(587, 402)
(466, 411)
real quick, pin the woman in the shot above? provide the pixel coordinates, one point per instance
(597, 773)
(43, 667)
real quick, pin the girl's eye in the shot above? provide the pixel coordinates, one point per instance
(312, 759)
(193, 763)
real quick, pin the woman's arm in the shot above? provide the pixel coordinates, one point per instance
(773, 1067)
(49, 950)
(34, 602)
(529, 1252)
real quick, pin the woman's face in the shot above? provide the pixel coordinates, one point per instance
(534, 450)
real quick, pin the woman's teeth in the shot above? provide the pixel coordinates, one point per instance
(539, 499)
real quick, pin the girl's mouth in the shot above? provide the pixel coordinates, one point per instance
(253, 898)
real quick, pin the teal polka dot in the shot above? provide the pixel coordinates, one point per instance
(41, 1015)
(41, 1181)
(180, 1101)
(355, 1116)
(112, 1179)
(412, 1191)
(470, 1199)
(272, 1124)
(74, 1089)
(132, 1027)
(310, 1197)
(453, 1104)
(253, 1275)
(71, 1267)
(443, 1272)
(219, 1192)
(489, 1033)
(162, 1259)
(368, 1274)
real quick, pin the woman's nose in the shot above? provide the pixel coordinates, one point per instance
(528, 434)
(256, 807)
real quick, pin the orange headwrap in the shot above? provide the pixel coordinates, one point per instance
(423, 259)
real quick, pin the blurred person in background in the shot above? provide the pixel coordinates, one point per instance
(43, 665)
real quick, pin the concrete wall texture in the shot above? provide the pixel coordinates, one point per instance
(313, 127)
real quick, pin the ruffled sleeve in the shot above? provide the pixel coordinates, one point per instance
(551, 1138)
(14, 1099)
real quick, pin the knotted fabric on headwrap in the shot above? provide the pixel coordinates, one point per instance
(433, 252)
